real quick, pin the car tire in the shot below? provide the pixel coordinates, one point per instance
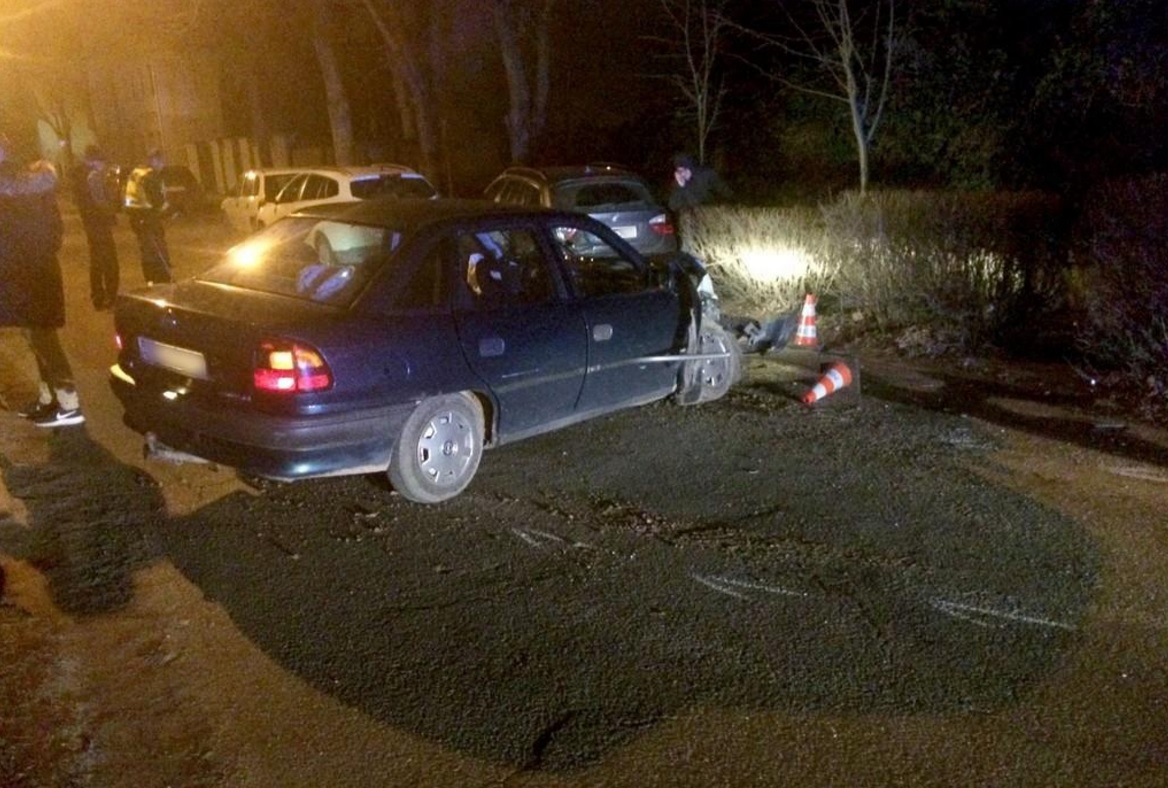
(439, 449)
(709, 379)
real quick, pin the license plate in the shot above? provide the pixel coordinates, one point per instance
(187, 362)
(625, 232)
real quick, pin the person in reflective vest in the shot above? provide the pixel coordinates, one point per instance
(147, 208)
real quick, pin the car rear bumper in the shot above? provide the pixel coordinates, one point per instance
(277, 447)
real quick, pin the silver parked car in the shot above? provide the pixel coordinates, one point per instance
(608, 193)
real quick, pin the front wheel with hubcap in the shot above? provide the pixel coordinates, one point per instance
(439, 449)
(710, 378)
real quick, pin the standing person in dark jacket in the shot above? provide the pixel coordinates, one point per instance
(32, 296)
(97, 208)
(147, 208)
(694, 185)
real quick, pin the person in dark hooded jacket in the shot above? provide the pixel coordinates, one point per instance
(32, 296)
(694, 185)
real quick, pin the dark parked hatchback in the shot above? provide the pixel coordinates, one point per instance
(405, 337)
(607, 192)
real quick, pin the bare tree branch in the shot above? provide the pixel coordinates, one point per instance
(858, 75)
(700, 25)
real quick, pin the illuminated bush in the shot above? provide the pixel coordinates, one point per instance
(965, 268)
(763, 260)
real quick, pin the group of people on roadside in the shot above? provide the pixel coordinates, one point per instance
(31, 233)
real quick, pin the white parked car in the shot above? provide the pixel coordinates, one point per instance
(319, 185)
(255, 189)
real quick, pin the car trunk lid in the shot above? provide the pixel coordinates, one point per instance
(189, 335)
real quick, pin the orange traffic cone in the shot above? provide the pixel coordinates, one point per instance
(837, 376)
(805, 335)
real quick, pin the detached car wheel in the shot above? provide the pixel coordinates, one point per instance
(705, 380)
(439, 449)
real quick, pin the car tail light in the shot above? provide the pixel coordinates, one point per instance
(661, 225)
(283, 366)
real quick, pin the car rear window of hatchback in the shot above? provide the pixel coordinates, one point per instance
(392, 185)
(591, 196)
(321, 260)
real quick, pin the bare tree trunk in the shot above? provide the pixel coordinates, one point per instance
(416, 103)
(529, 92)
(339, 112)
(858, 74)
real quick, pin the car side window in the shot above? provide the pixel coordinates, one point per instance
(527, 194)
(508, 192)
(502, 268)
(291, 192)
(596, 267)
(273, 184)
(319, 187)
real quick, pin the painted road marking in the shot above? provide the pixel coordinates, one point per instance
(728, 585)
(536, 538)
(974, 614)
(969, 613)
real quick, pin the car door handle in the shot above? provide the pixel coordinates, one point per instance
(602, 332)
(491, 346)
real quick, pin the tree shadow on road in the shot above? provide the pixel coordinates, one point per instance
(1052, 412)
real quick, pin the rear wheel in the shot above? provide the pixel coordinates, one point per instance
(439, 449)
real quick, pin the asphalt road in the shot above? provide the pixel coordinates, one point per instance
(911, 583)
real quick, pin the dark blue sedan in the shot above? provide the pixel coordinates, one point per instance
(405, 337)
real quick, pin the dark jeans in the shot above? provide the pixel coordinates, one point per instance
(52, 365)
(152, 244)
(103, 264)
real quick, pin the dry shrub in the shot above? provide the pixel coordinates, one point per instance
(763, 260)
(968, 267)
(963, 268)
(1124, 266)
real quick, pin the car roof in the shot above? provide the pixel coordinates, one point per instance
(362, 171)
(418, 212)
(570, 172)
(273, 170)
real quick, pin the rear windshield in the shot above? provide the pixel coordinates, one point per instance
(607, 195)
(325, 261)
(392, 185)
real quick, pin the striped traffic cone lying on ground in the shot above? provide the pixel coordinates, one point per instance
(805, 334)
(837, 376)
